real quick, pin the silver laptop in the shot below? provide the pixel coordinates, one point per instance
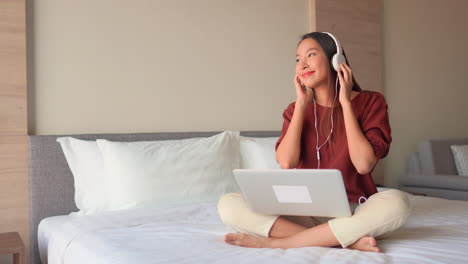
(302, 192)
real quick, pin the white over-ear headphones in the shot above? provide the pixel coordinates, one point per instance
(338, 57)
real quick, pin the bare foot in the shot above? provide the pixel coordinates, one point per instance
(366, 243)
(246, 240)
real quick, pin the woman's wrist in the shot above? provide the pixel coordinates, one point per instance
(299, 112)
(301, 105)
(346, 105)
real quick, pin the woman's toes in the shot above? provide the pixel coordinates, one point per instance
(372, 242)
(228, 238)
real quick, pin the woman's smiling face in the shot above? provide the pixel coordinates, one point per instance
(312, 64)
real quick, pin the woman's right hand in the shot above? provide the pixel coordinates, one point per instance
(303, 94)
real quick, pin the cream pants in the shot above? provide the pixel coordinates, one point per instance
(381, 214)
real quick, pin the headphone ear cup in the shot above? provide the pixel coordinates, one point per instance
(337, 59)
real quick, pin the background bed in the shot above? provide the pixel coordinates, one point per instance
(51, 181)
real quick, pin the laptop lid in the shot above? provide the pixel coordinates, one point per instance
(302, 192)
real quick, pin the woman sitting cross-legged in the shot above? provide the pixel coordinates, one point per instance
(350, 134)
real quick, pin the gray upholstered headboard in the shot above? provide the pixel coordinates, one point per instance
(51, 181)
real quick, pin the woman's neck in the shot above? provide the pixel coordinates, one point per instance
(324, 96)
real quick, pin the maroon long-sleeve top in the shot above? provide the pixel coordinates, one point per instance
(371, 111)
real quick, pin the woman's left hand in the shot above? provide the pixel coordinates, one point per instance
(345, 76)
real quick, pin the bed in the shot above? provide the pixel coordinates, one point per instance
(436, 232)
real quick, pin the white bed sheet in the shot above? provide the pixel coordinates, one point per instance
(47, 227)
(436, 232)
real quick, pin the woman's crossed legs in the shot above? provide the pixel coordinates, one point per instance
(383, 213)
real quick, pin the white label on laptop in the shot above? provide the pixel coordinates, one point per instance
(292, 194)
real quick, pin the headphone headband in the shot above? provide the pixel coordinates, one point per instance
(338, 58)
(337, 43)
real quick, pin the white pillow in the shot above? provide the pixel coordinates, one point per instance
(87, 166)
(460, 154)
(258, 153)
(154, 173)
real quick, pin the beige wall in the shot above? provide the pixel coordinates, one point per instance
(425, 73)
(149, 66)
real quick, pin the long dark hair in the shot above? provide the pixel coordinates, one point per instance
(329, 47)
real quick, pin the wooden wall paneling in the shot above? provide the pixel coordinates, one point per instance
(14, 194)
(313, 16)
(357, 24)
(13, 99)
(14, 184)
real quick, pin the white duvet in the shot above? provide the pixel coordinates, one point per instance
(436, 232)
